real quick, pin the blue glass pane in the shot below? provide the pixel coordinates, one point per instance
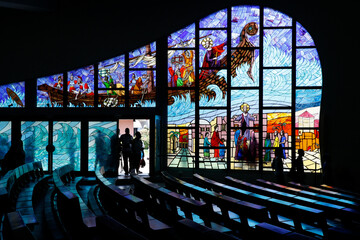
(144, 57)
(12, 95)
(35, 136)
(242, 15)
(277, 88)
(303, 37)
(66, 140)
(277, 47)
(274, 18)
(50, 92)
(308, 68)
(5, 137)
(183, 38)
(215, 20)
(101, 137)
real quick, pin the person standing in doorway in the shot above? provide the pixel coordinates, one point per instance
(137, 153)
(125, 143)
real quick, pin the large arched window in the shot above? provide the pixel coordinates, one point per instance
(242, 81)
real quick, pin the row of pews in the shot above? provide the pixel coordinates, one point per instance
(74, 207)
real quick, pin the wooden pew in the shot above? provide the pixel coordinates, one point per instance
(130, 210)
(171, 206)
(283, 213)
(347, 215)
(77, 218)
(340, 190)
(17, 227)
(17, 190)
(240, 216)
(310, 193)
(352, 200)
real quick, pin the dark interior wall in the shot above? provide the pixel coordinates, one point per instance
(79, 33)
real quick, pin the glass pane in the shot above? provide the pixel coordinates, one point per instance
(244, 108)
(181, 108)
(144, 57)
(269, 155)
(5, 137)
(308, 68)
(213, 45)
(245, 18)
(215, 20)
(307, 107)
(277, 129)
(66, 140)
(81, 87)
(274, 18)
(213, 135)
(181, 68)
(183, 38)
(50, 92)
(277, 47)
(303, 37)
(181, 148)
(244, 149)
(111, 98)
(308, 141)
(35, 136)
(12, 95)
(245, 68)
(277, 88)
(142, 88)
(102, 135)
(112, 73)
(213, 90)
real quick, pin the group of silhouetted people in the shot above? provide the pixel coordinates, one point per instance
(297, 166)
(132, 151)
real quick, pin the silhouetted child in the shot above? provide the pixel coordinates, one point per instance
(278, 166)
(299, 166)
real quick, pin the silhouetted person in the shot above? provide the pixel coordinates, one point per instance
(115, 153)
(15, 157)
(125, 141)
(278, 165)
(137, 153)
(299, 167)
(100, 150)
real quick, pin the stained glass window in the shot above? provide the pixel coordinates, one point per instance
(66, 140)
(35, 137)
(101, 137)
(269, 96)
(5, 137)
(50, 91)
(81, 87)
(111, 82)
(12, 95)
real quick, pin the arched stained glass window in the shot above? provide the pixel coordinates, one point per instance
(241, 82)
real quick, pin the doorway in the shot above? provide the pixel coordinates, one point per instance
(143, 127)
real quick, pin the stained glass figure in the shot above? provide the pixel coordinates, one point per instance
(181, 68)
(142, 88)
(50, 91)
(81, 87)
